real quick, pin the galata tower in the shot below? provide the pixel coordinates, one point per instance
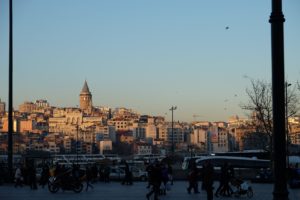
(85, 99)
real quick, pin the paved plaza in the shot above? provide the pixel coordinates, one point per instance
(116, 191)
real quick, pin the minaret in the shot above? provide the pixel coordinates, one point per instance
(85, 99)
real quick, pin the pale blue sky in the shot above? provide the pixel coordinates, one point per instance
(145, 54)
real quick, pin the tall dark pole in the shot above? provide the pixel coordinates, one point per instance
(172, 133)
(277, 19)
(77, 129)
(10, 94)
(287, 122)
(173, 149)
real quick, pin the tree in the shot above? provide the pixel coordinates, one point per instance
(260, 107)
(255, 140)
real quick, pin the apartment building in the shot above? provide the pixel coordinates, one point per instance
(104, 145)
(2, 108)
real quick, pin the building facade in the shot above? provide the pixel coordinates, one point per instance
(2, 108)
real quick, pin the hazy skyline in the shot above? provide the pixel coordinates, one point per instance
(145, 55)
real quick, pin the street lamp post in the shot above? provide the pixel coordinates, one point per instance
(172, 109)
(287, 122)
(10, 95)
(280, 191)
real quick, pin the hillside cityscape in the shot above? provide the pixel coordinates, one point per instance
(88, 129)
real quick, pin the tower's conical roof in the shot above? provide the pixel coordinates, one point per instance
(85, 88)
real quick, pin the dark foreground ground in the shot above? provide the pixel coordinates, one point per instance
(114, 191)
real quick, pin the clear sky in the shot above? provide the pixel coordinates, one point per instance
(147, 55)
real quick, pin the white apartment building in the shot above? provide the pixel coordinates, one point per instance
(92, 120)
(88, 136)
(151, 130)
(42, 103)
(217, 139)
(178, 134)
(163, 131)
(143, 149)
(105, 145)
(2, 107)
(57, 124)
(235, 121)
(59, 112)
(138, 130)
(198, 138)
(67, 144)
(53, 148)
(74, 117)
(121, 125)
(106, 132)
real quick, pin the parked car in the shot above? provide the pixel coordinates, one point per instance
(116, 173)
(137, 173)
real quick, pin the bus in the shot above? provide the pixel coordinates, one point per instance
(148, 157)
(81, 159)
(187, 161)
(257, 153)
(244, 167)
(235, 162)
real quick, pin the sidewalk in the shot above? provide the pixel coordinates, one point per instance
(116, 191)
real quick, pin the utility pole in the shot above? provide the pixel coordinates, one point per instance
(172, 109)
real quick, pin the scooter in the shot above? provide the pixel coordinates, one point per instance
(56, 183)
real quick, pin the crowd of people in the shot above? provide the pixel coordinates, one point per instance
(26, 175)
(160, 177)
(226, 178)
(207, 176)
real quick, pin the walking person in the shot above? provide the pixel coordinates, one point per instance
(128, 175)
(149, 170)
(88, 178)
(18, 177)
(106, 174)
(101, 173)
(44, 175)
(155, 181)
(94, 173)
(193, 179)
(223, 177)
(165, 179)
(170, 171)
(208, 173)
(230, 177)
(32, 177)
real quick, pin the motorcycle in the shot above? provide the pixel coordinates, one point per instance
(65, 183)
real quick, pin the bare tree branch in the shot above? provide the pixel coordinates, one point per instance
(260, 107)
